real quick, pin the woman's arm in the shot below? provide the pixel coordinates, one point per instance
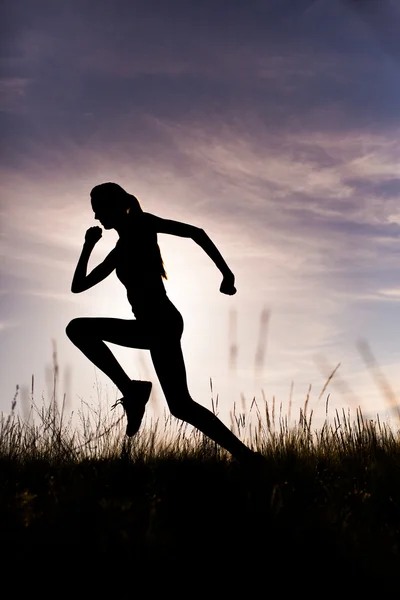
(81, 281)
(199, 236)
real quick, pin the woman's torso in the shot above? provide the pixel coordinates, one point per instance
(139, 270)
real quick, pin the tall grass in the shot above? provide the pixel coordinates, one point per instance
(48, 434)
(325, 504)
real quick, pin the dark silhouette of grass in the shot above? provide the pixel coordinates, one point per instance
(326, 503)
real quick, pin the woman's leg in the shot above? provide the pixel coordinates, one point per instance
(89, 335)
(170, 368)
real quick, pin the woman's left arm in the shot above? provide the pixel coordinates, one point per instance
(228, 282)
(199, 236)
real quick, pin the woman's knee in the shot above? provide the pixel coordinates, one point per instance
(178, 413)
(183, 411)
(77, 328)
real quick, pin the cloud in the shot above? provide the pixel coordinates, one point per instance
(301, 199)
(94, 75)
(392, 294)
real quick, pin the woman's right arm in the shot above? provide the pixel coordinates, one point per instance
(81, 281)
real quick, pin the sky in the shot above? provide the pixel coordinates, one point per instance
(274, 126)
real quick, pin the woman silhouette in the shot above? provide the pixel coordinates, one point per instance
(158, 325)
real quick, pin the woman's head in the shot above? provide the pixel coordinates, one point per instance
(111, 203)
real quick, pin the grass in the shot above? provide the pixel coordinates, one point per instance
(324, 508)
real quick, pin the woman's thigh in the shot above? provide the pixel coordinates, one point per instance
(124, 332)
(159, 331)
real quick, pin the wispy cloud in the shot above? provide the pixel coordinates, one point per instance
(391, 294)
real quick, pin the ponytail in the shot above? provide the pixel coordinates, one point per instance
(133, 204)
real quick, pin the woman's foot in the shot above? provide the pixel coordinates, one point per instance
(134, 404)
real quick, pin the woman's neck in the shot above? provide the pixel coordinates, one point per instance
(124, 228)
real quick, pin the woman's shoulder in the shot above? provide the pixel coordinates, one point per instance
(149, 218)
(149, 221)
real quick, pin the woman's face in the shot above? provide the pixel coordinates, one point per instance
(109, 213)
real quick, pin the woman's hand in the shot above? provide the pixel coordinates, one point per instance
(227, 285)
(93, 235)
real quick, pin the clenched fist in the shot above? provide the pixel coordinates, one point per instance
(228, 285)
(93, 235)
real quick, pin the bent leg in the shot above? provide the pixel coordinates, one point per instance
(89, 335)
(170, 368)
